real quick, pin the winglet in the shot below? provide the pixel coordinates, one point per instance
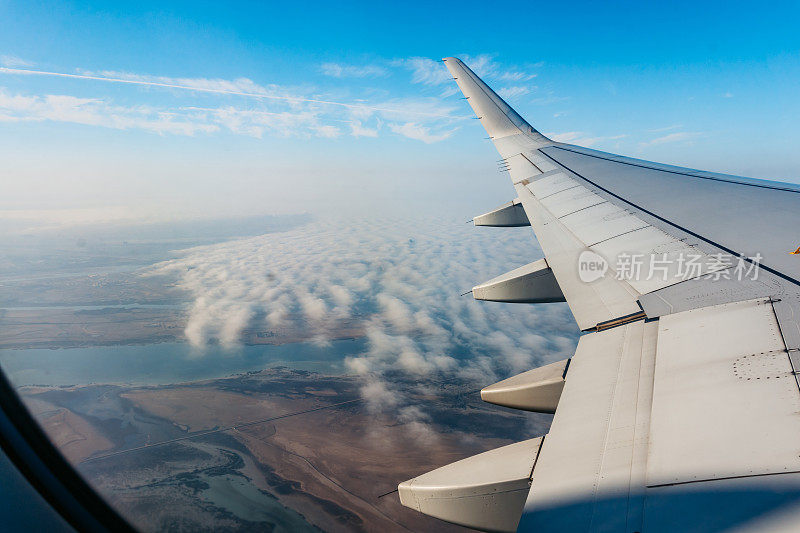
(498, 118)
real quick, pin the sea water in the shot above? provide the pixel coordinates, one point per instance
(168, 363)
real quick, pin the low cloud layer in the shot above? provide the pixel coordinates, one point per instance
(400, 279)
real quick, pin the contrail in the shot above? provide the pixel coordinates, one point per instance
(7, 70)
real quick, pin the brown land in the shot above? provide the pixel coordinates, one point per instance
(96, 289)
(72, 328)
(306, 439)
(68, 328)
(85, 310)
(73, 435)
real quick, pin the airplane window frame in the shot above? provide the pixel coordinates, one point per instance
(51, 475)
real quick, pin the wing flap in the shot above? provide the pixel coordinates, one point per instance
(725, 399)
(592, 463)
(654, 415)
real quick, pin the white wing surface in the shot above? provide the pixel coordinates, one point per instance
(680, 410)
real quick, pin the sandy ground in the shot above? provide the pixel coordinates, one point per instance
(334, 466)
(73, 435)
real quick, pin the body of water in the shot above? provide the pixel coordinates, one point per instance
(166, 363)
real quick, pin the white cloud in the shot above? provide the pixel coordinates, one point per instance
(14, 61)
(341, 296)
(237, 87)
(516, 76)
(358, 130)
(419, 132)
(425, 70)
(397, 278)
(549, 99)
(340, 70)
(328, 131)
(673, 137)
(258, 121)
(31, 221)
(728, 95)
(416, 423)
(378, 395)
(483, 65)
(275, 111)
(396, 312)
(581, 139)
(565, 137)
(432, 72)
(176, 121)
(96, 112)
(665, 128)
(512, 92)
(313, 307)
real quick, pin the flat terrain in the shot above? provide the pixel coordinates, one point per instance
(286, 449)
(111, 326)
(270, 450)
(112, 309)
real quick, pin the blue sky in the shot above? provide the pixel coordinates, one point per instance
(346, 103)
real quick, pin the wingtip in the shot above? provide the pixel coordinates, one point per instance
(497, 117)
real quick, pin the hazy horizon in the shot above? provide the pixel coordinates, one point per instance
(155, 113)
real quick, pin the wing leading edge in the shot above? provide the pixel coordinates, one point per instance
(680, 409)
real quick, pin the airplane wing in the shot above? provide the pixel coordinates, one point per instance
(680, 409)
